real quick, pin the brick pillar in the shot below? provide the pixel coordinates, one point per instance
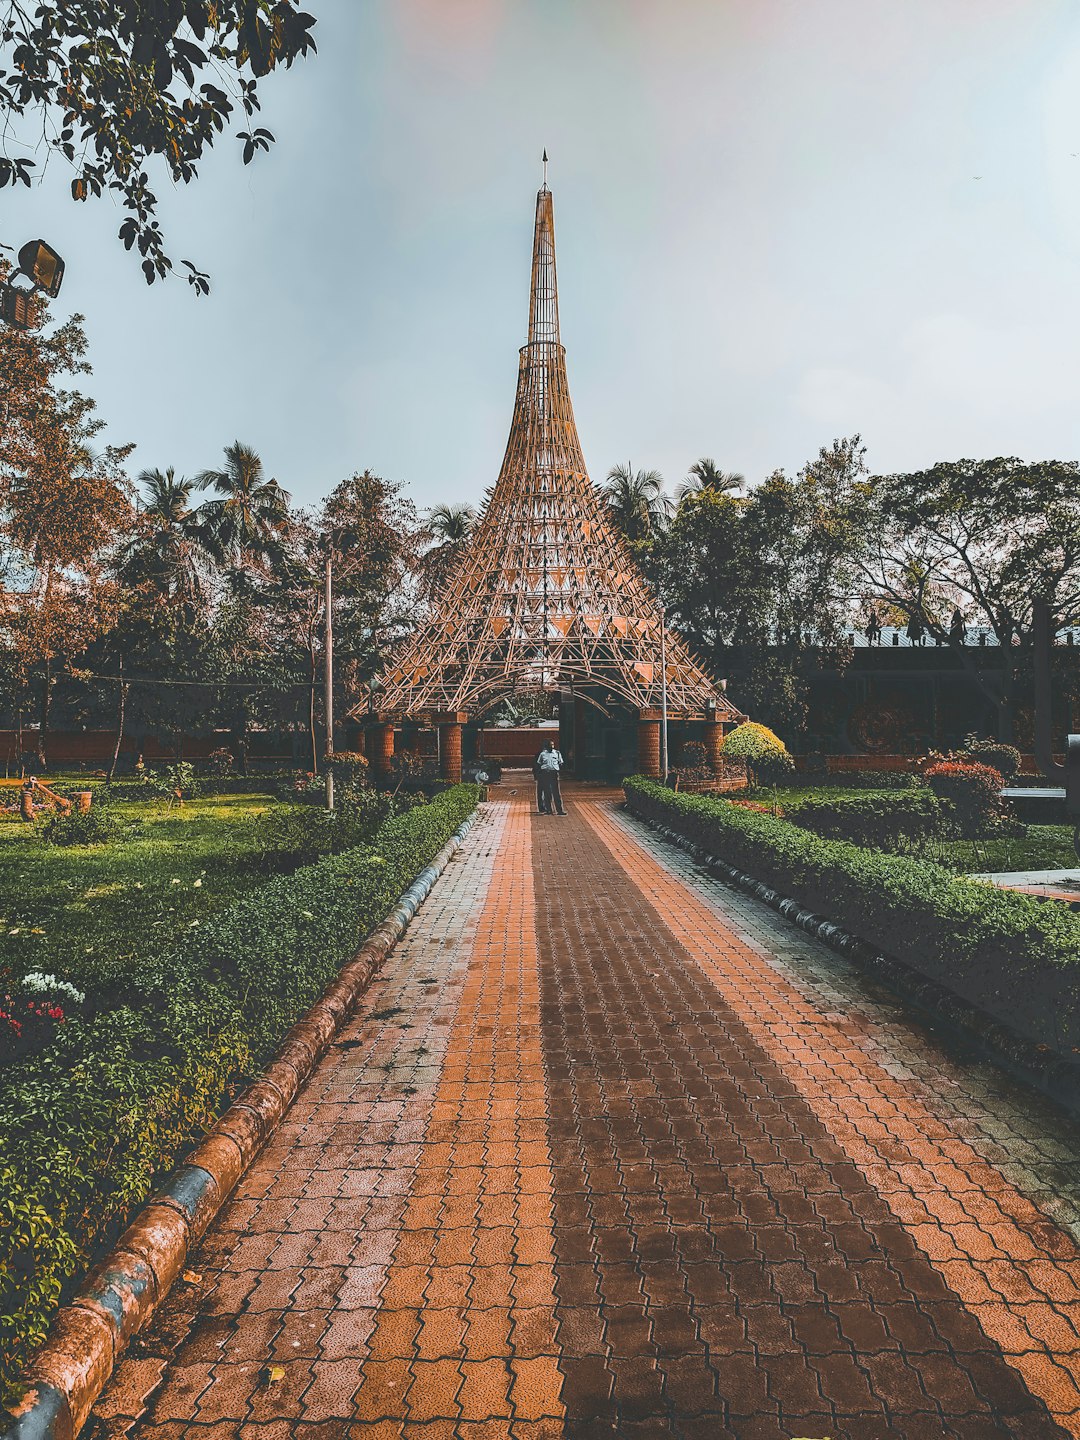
(450, 750)
(381, 750)
(648, 744)
(713, 737)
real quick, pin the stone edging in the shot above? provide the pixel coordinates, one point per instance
(1036, 1065)
(120, 1295)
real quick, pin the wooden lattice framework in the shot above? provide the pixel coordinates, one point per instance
(545, 595)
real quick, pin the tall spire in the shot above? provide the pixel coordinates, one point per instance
(545, 594)
(544, 299)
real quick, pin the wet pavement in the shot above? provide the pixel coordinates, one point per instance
(612, 1149)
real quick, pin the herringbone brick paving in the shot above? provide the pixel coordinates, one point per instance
(612, 1150)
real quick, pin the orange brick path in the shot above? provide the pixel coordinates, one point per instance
(611, 1150)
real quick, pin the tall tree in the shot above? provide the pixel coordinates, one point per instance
(450, 527)
(114, 85)
(244, 526)
(986, 537)
(62, 503)
(636, 501)
(761, 584)
(705, 474)
(167, 550)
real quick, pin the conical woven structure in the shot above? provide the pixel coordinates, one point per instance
(545, 596)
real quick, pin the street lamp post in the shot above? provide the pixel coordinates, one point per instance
(663, 696)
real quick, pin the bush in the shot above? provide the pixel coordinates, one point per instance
(1002, 951)
(177, 782)
(220, 762)
(1001, 757)
(96, 826)
(972, 790)
(764, 752)
(899, 821)
(87, 1124)
(302, 834)
(351, 769)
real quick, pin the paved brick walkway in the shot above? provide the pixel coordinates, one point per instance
(613, 1150)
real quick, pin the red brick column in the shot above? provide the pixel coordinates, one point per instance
(648, 743)
(713, 736)
(450, 750)
(381, 750)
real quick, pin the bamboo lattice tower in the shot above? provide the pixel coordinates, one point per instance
(545, 595)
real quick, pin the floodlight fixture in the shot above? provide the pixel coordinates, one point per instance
(41, 264)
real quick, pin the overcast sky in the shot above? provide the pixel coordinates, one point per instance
(768, 224)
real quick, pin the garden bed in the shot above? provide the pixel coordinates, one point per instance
(1000, 951)
(86, 1124)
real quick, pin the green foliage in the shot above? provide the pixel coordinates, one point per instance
(85, 1126)
(1001, 757)
(96, 826)
(1001, 950)
(761, 749)
(973, 792)
(286, 837)
(110, 87)
(899, 821)
(36, 1256)
(174, 783)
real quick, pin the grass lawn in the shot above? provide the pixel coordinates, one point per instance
(1041, 847)
(88, 913)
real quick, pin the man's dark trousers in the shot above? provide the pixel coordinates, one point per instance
(550, 794)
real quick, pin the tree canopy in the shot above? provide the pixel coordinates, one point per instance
(114, 85)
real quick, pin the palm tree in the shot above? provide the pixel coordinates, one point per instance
(451, 527)
(246, 526)
(706, 475)
(168, 550)
(636, 501)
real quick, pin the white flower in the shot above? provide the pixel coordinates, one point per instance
(41, 984)
(197, 884)
(174, 881)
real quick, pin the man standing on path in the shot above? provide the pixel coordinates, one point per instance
(548, 764)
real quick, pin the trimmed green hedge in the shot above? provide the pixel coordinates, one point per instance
(1005, 952)
(86, 1125)
(882, 822)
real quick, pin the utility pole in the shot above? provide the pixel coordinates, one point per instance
(329, 665)
(663, 695)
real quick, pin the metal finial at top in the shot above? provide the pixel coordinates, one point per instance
(545, 168)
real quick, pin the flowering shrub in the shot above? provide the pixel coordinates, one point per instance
(972, 789)
(220, 762)
(763, 751)
(31, 1010)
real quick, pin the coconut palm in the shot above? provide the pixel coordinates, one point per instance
(450, 526)
(244, 528)
(705, 474)
(636, 501)
(167, 549)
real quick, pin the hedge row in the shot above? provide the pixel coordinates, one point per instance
(1004, 952)
(86, 1125)
(883, 822)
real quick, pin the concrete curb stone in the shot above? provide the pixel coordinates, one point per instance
(119, 1296)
